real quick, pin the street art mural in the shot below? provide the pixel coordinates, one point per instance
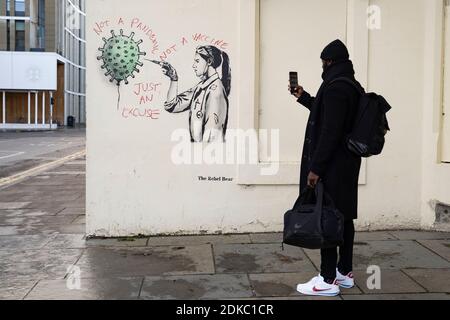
(120, 55)
(206, 102)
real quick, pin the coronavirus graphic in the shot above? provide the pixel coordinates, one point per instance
(120, 55)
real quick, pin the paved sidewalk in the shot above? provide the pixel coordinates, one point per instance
(42, 237)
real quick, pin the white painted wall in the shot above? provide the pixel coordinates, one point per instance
(446, 101)
(134, 188)
(28, 71)
(435, 173)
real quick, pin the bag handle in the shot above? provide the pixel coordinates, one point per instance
(319, 204)
(303, 198)
(321, 194)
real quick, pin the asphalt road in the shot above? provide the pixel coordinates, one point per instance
(20, 151)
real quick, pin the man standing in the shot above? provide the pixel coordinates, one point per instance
(326, 158)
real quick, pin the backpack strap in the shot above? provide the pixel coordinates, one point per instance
(350, 82)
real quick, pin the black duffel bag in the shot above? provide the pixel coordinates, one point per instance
(314, 222)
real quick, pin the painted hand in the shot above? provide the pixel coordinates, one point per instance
(169, 71)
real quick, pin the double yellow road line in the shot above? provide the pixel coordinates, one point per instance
(39, 169)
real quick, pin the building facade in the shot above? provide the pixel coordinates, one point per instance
(42, 54)
(149, 178)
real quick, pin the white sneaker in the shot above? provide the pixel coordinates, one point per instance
(318, 287)
(346, 282)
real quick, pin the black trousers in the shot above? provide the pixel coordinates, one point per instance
(330, 257)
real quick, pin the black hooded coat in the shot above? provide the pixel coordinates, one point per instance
(332, 115)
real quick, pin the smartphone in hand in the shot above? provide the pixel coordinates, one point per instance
(293, 81)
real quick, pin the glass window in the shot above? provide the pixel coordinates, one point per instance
(20, 35)
(8, 7)
(19, 9)
(41, 23)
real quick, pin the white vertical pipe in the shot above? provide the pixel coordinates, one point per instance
(43, 107)
(29, 107)
(4, 107)
(36, 96)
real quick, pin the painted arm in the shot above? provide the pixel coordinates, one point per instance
(175, 103)
(216, 116)
(180, 102)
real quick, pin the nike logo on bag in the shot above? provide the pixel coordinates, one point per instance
(320, 290)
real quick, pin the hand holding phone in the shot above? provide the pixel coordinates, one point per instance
(293, 81)
(294, 87)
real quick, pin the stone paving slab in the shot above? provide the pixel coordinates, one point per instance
(25, 188)
(155, 261)
(259, 258)
(43, 205)
(15, 289)
(28, 213)
(420, 235)
(196, 240)
(80, 219)
(67, 241)
(266, 237)
(37, 264)
(67, 229)
(197, 287)
(35, 229)
(35, 220)
(440, 247)
(23, 242)
(390, 255)
(373, 236)
(90, 289)
(284, 284)
(72, 211)
(51, 197)
(360, 236)
(13, 205)
(392, 281)
(437, 280)
(424, 296)
(117, 242)
(47, 255)
(54, 181)
(11, 196)
(396, 255)
(33, 271)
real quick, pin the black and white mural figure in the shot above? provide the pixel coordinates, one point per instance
(207, 102)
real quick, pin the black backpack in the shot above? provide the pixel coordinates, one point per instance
(371, 125)
(314, 222)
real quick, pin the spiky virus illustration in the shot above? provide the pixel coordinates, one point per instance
(120, 55)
